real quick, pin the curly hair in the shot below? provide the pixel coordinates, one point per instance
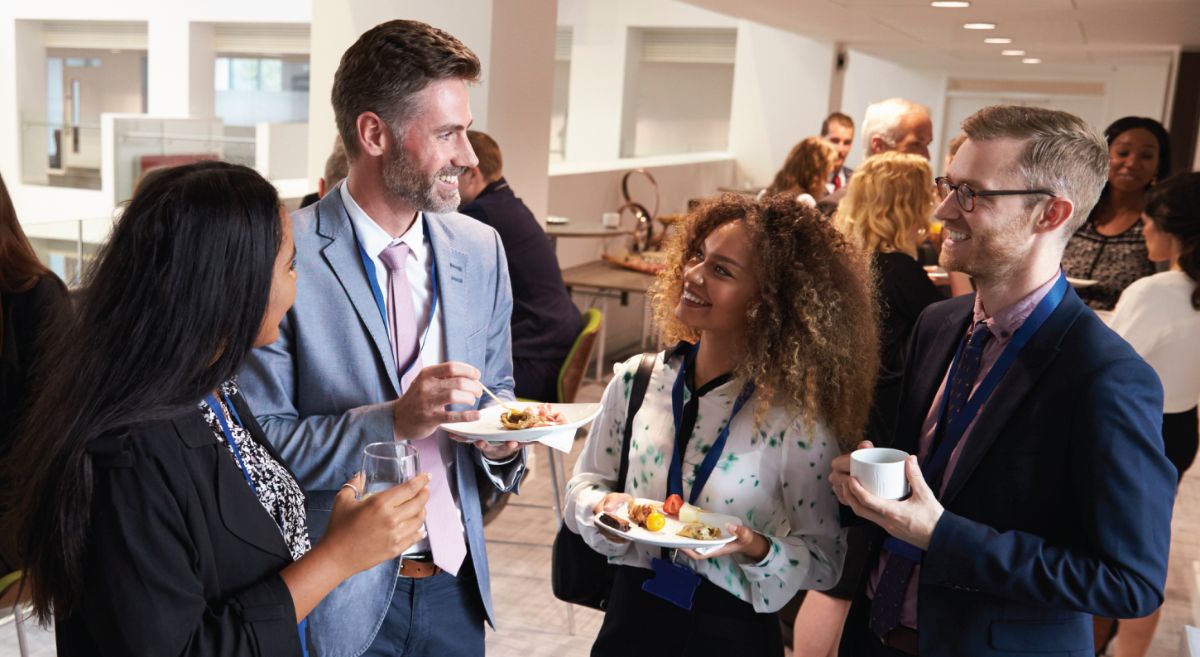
(810, 163)
(889, 196)
(811, 341)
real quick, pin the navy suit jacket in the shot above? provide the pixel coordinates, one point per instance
(1059, 507)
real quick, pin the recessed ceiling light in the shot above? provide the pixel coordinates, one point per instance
(1012, 53)
(950, 4)
(979, 26)
(1031, 60)
(998, 40)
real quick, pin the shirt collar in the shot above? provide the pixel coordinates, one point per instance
(373, 238)
(1006, 322)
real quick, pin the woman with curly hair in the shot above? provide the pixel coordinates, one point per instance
(776, 348)
(802, 177)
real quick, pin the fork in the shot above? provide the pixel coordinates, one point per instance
(503, 403)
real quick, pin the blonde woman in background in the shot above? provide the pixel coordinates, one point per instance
(885, 214)
(810, 163)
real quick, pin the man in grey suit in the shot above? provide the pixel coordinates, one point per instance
(402, 312)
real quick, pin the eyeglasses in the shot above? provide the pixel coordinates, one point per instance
(966, 196)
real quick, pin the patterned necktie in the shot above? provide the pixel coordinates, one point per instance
(441, 515)
(893, 583)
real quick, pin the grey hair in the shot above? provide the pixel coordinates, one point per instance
(884, 118)
(1062, 152)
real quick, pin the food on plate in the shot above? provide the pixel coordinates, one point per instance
(616, 523)
(639, 512)
(699, 531)
(689, 513)
(655, 522)
(671, 506)
(531, 417)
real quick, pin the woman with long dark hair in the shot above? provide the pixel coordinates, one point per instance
(1160, 316)
(768, 382)
(154, 517)
(1108, 247)
(33, 303)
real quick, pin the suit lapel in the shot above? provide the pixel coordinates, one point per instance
(240, 510)
(1020, 380)
(453, 292)
(341, 253)
(928, 378)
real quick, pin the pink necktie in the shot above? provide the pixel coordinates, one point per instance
(441, 515)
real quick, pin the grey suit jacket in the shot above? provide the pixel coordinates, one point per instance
(324, 389)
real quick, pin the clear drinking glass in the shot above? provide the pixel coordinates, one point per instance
(388, 464)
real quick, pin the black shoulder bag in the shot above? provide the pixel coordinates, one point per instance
(579, 574)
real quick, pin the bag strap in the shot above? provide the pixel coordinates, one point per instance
(641, 381)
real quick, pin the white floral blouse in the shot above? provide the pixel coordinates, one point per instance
(773, 476)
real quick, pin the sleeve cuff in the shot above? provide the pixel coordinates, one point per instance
(267, 608)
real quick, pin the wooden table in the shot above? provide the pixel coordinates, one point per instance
(605, 281)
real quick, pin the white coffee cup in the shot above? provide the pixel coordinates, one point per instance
(610, 219)
(881, 471)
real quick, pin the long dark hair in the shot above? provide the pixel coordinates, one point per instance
(1174, 207)
(1120, 127)
(19, 266)
(171, 307)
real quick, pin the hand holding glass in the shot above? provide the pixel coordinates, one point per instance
(388, 464)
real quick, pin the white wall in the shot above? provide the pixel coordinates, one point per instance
(603, 79)
(870, 79)
(780, 86)
(682, 108)
(1138, 90)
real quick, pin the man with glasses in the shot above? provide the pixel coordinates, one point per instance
(1040, 491)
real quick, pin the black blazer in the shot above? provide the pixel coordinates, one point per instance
(183, 560)
(1060, 505)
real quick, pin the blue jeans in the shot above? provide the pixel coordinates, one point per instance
(437, 616)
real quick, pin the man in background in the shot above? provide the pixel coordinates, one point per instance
(838, 129)
(336, 169)
(545, 321)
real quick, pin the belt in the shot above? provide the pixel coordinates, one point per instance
(902, 639)
(417, 569)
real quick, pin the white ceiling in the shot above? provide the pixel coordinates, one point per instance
(1068, 35)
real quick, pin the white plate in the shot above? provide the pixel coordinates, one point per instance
(1080, 283)
(488, 426)
(666, 537)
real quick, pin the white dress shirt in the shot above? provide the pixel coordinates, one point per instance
(1155, 315)
(419, 269)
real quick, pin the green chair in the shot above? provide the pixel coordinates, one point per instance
(18, 612)
(569, 377)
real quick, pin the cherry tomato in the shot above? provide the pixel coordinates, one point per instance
(655, 521)
(673, 504)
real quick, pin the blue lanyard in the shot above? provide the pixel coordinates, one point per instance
(237, 455)
(233, 447)
(377, 291)
(675, 473)
(935, 464)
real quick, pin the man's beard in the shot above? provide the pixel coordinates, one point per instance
(405, 181)
(994, 256)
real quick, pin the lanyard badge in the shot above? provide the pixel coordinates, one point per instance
(673, 582)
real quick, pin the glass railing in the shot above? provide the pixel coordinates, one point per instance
(60, 155)
(142, 144)
(67, 247)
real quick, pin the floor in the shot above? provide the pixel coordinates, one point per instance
(534, 624)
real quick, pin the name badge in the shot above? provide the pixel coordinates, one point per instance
(672, 582)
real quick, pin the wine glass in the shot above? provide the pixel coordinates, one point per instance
(388, 464)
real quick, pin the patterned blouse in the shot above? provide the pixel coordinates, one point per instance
(1114, 261)
(274, 485)
(773, 476)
